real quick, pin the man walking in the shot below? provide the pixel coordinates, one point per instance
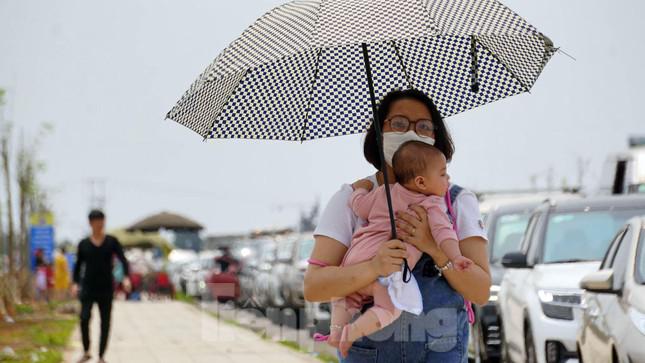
(94, 282)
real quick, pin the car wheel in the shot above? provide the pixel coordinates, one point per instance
(529, 345)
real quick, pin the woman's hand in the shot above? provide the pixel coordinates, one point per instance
(388, 258)
(414, 229)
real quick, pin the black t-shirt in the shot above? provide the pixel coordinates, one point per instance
(97, 264)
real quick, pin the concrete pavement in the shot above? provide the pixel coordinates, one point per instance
(170, 331)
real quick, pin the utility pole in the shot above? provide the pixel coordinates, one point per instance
(583, 166)
(97, 188)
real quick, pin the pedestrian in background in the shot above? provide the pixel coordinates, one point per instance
(95, 257)
(61, 275)
(41, 277)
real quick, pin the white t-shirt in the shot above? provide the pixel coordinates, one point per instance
(339, 222)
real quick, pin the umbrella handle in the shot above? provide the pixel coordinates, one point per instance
(379, 140)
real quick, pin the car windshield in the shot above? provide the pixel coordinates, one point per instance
(640, 262)
(582, 236)
(306, 246)
(507, 234)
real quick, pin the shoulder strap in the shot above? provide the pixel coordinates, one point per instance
(454, 192)
(451, 197)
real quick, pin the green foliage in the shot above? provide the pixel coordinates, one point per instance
(53, 334)
(24, 309)
(180, 296)
(39, 335)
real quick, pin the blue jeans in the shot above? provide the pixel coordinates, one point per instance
(438, 335)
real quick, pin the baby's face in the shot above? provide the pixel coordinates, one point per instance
(436, 177)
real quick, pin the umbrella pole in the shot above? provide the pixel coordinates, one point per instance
(379, 140)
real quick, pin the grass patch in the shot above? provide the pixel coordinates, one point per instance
(24, 309)
(38, 335)
(180, 296)
(327, 358)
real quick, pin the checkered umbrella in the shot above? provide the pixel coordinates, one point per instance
(298, 73)
(314, 68)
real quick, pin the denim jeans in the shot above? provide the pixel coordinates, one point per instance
(438, 335)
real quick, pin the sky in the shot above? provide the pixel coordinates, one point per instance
(104, 74)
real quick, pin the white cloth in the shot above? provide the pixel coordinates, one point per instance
(404, 296)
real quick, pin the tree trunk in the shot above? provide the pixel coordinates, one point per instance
(7, 179)
(26, 190)
(10, 288)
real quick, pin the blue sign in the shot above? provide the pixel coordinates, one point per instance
(41, 239)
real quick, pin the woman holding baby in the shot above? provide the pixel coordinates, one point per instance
(357, 267)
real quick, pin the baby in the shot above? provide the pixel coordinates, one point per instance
(420, 171)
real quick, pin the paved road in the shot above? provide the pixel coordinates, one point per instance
(145, 332)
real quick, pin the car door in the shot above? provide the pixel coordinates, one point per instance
(617, 314)
(599, 306)
(513, 293)
(635, 294)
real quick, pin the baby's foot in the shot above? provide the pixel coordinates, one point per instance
(345, 342)
(462, 263)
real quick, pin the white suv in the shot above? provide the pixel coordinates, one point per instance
(539, 295)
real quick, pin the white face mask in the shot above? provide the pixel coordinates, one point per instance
(393, 140)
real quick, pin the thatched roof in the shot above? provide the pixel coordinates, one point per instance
(165, 220)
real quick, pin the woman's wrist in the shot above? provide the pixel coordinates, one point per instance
(373, 268)
(439, 258)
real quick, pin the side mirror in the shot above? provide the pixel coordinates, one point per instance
(599, 281)
(515, 260)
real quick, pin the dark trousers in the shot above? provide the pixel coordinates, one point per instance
(104, 301)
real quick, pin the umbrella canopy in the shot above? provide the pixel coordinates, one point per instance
(298, 73)
(165, 220)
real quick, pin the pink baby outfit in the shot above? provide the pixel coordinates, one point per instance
(372, 207)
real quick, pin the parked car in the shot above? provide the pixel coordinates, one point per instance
(193, 276)
(505, 224)
(294, 275)
(613, 304)
(624, 172)
(248, 254)
(262, 279)
(177, 260)
(275, 279)
(564, 241)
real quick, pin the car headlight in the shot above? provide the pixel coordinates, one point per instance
(559, 304)
(638, 319)
(494, 291)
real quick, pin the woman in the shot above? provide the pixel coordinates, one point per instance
(440, 333)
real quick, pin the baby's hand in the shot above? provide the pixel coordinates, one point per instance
(462, 263)
(363, 183)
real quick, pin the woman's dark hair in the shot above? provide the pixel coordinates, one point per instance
(443, 141)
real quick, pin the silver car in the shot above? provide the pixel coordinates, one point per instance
(613, 305)
(293, 274)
